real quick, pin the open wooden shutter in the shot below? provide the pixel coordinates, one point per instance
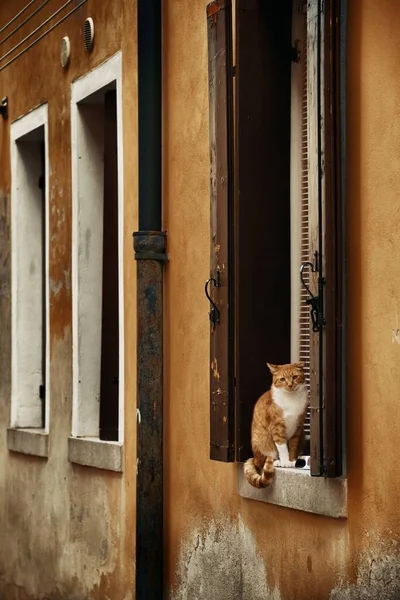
(326, 230)
(334, 337)
(220, 285)
(262, 202)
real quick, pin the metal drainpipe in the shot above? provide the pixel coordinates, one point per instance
(150, 251)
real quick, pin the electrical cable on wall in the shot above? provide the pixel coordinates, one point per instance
(16, 16)
(42, 35)
(28, 18)
(40, 27)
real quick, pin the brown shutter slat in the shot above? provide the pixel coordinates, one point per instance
(219, 23)
(262, 216)
(109, 384)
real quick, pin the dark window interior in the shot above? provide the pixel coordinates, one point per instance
(109, 384)
(42, 186)
(262, 203)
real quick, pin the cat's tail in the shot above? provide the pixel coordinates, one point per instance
(259, 480)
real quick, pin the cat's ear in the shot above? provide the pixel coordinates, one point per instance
(299, 365)
(273, 368)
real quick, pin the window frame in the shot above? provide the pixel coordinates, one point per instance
(329, 458)
(84, 448)
(20, 128)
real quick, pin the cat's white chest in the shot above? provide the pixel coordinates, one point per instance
(293, 405)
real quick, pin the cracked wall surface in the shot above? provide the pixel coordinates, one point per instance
(378, 576)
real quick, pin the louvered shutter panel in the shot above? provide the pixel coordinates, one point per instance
(220, 285)
(262, 211)
(326, 232)
(300, 198)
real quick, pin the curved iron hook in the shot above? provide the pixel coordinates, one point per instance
(303, 266)
(313, 301)
(212, 279)
(214, 314)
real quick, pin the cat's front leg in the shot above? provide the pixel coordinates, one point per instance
(294, 444)
(283, 452)
(285, 463)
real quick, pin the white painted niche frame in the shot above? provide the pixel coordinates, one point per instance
(87, 249)
(27, 271)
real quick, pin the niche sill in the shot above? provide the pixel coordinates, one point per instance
(295, 488)
(34, 442)
(93, 452)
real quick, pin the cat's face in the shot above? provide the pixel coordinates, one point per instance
(288, 377)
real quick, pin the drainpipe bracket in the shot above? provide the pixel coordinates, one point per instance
(150, 245)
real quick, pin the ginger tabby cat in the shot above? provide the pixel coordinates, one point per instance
(277, 426)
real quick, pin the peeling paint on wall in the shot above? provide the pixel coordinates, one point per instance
(222, 562)
(378, 577)
(4, 245)
(67, 530)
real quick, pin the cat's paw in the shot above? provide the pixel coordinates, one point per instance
(284, 463)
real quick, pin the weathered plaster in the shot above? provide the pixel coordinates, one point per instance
(378, 576)
(67, 530)
(222, 562)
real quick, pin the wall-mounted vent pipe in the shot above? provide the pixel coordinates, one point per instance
(88, 34)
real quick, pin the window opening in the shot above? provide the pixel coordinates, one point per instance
(287, 214)
(97, 268)
(29, 271)
(109, 384)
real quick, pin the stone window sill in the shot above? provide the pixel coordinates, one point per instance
(295, 488)
(92, 452)
(34, 442)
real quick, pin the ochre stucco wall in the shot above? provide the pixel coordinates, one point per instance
(67, 531)
(218, 544)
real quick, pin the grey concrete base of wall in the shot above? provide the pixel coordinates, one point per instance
(295, 488)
